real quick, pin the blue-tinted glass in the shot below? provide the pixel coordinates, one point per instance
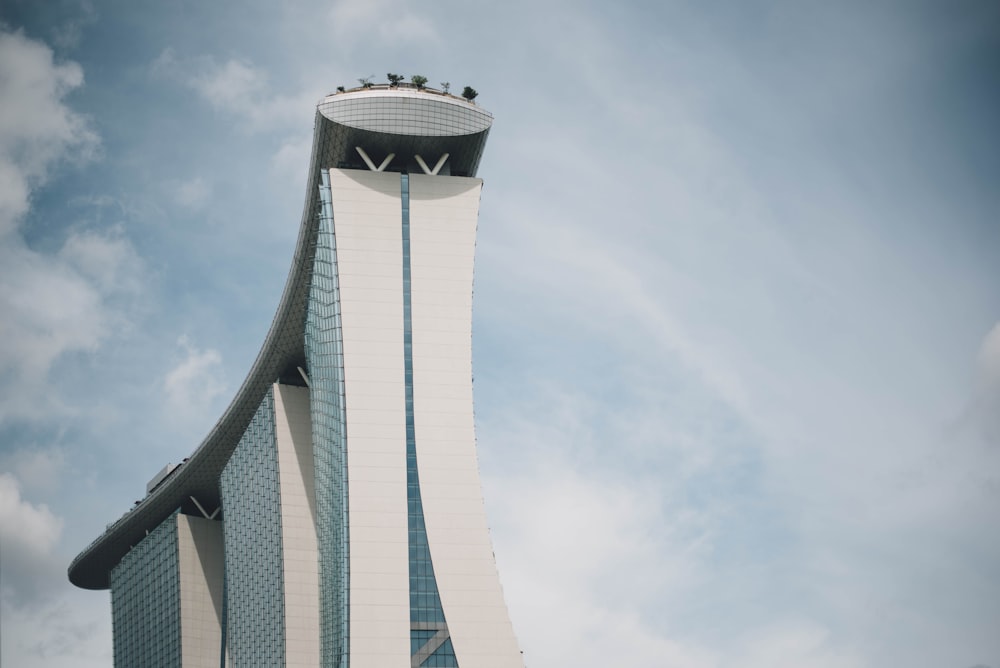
(442, 657)
(254, 581)
(145, 601)
(325, 360)
(425, 603)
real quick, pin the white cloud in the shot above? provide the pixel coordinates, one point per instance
(193, 384)
(45, 623)
(793, 644)
(239, 88)
(31, 529)
(587, 547)
(58, 304)
(984, 411)
(68, 34)
(28, 534)
(37, 129)
(37, 468)
(73, 631)
(989, 356)
(106, 259)
(381, 24)
(582, 557)
(194, 193)
(292, 159)
(232, 86)
(51, 304)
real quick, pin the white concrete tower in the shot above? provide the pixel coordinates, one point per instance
(344, 473)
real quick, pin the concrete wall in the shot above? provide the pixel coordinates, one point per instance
(443, 217)
(293, 433)
(201, 565)
(367, 220)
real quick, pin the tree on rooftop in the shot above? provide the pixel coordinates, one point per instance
(366, 82)
(419, 81)
(445, 86)
(469, 93)
(394, 79)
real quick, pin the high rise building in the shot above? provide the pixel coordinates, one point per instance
(334, 516)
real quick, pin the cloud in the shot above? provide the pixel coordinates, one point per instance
(583, 556)
(193, 384)
(45, 622)
(989, 357)
(67, 35)
(28, 534)
(52, 304)
(37, 130)
(792, 644)
(233, 85)
(291, 160)
(587, 546)
(624, 561)
(984, 413)
(37, 468)
(106, 259)
(57, 304)
(381, 24)
(71, 632)
(193, 194)
(238, 88)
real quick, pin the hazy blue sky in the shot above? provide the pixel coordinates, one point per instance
(737, 310)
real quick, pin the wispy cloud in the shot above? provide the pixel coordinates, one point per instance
(380, 24)
(53, 303)
(37, 129)
(193, 384)
(58, 304)
(239, 89)
(28, 532)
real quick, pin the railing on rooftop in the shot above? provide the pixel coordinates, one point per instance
(402, 85)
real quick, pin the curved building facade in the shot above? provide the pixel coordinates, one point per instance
(334, 515)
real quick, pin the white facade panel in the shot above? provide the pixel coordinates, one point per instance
(443, 218)
(201, 564)
(367, 215)
(300, 552)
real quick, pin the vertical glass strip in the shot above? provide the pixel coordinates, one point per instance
(146, 601)
(225, 619)
(255, 581)
(426, 613)
(324, 350)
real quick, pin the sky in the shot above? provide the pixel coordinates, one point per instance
(736, 318)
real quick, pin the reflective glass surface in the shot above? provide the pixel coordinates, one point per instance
(443, 657)
(425, 602)
(145, 601)
(325, 358)
(255, 601)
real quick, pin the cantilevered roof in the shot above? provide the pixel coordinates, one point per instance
(382, 120)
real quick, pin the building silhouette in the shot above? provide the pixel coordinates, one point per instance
(334, 516)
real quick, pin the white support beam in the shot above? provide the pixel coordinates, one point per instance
(364, 156)
(423, 165)
(203, 511)
(371, 163)
(437, 167)
(302, 372)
